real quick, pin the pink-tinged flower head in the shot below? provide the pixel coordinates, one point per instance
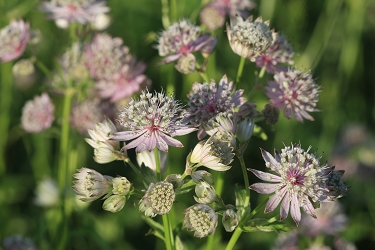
(86, 115)
(213, 14)
(13, 40)
(37, 114)
(208, 100)
(74, 11)
(295, 92)
(124, 83)
(330, 220)
(105, 56)
(182, 39)
(117, 73)
(248, 38)
(152, 121)
(299, 181)
(280, 52)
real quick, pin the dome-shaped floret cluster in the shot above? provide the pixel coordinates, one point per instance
(201, 219)
(158, 199)
(300, 180)
(249, 38)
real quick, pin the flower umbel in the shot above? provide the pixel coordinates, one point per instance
(38, 114)
(295, 92)
(90, 184)
(249, 38)
(300, 180)
(158, 199)
(201, 219)
(152, 120)
(208, 100)
(13, 40)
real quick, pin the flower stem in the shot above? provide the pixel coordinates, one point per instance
(165, 14)
(5, 104)
(173, 10)
(135, 169)
(167, 232)
(157, 161)
(240, 69)
(233, 240)
(246, 180)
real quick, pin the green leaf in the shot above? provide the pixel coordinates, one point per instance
(148, 175)
(265, 225)
(157, 228)
(241, 202)
(186, 187)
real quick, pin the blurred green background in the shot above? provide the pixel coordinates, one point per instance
(335, 39)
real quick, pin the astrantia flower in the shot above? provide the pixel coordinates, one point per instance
(279, 52)
(117, 73)
(208, 100)
(74, 11)
(182, 39)
(85, 115)
(249, 39)
(295, 92)
(201, 219)
(105, 150)
(152, 121)
(38, 114)
(90, 184)
(215, 153)
(124, 83)
(47, 193)
(158, 199)
(300, 180)
(13, 40)
(213, 14)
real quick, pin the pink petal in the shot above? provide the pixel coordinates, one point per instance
(265, 176)
(127, 135)
(135, 143)
(274, 201)
(284, 208)
(160, 143)
(309, 208)
(171, 141)
(295, 210)
(264, 188)
(268, 157)
(151, 141)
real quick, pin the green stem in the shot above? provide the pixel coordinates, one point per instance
(135, 169)
(167, 232)
(246, 181)
(44, 69)
(157, 161)
(173, 10)
(233, 240)
(5, 105)
(262, 71)
(165, 14)
(240, 69)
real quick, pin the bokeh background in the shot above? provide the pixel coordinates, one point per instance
(335, 39)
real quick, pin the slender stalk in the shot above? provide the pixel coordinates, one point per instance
(240, 69)
(165, 14)
(246, 180)
(135, 169)
(233, 240)
(173, 4)
(5, 105)
(157, 161)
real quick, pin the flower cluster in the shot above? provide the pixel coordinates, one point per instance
(300, 180)
(295, 92)
(13, 40)
(180, 41)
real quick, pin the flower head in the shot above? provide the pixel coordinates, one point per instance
(85, 115)
(215, 153)
(208, 100)
(153, 120)
(13, 40)
(213, 14)
(158, 199)
(279, 52)
(249, 39)
(104, 148)
(114, 203)
(74, 11)
(201, 219)
(182, 39)
(230, 220)
(206, 193)
(90, 184)
(38, 114)
(300, 180)
(295, 92)
(46, 193)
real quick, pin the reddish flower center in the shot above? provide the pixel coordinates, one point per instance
(295, 177)
(184, 49)
(71, 8)
(153, 128)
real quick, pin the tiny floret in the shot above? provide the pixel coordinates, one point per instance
(200, 219)
(114, 203)
(300, 180)
(152, 121)
(230, 220)
(249, 39)
(121, 186)
(158, 199)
